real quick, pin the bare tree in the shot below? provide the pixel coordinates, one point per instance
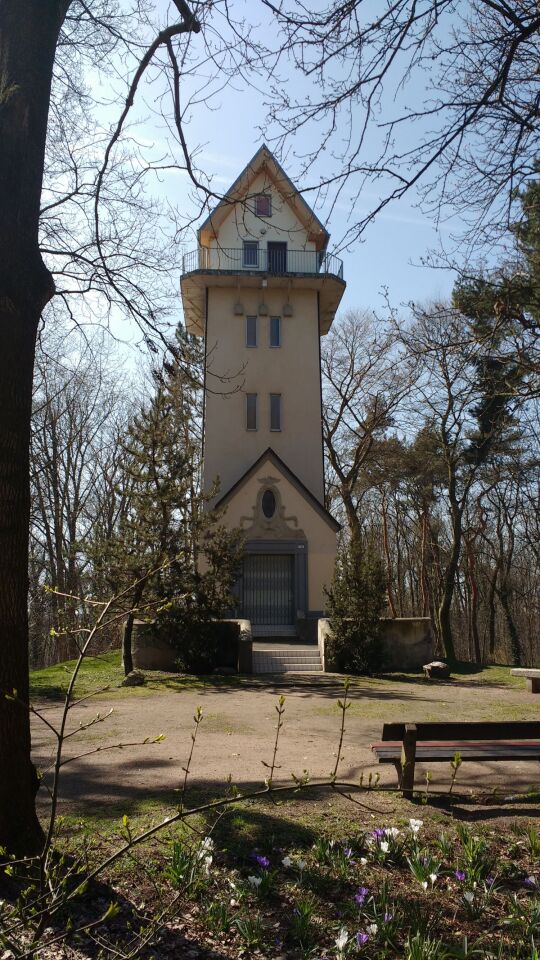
(77, 408)
(364, 380)
(470, 413)
(439, 95)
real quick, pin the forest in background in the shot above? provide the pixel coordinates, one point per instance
(430, 424)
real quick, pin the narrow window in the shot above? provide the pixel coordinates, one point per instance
(251, 253)
(275, 411)
(251, 331)
(275, 331)
(263, 205)
(251, 411)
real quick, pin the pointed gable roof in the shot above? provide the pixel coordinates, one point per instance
(270, 455)
(265, 161)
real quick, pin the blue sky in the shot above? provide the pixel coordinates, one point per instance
(226, 135)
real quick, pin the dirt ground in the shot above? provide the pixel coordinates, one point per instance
(238, 729)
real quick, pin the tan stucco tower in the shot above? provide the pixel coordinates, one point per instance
(262, 290)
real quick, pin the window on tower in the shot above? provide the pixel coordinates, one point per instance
(251, 331)
(275, 411)
(263, 205)
(251, 253)
(251, 411)
(275, 331)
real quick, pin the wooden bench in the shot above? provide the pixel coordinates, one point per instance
(404, 743)
(531, 675)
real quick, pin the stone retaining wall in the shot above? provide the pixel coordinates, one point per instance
(151, 653)
(407, 643)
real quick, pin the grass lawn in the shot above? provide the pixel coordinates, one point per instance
(312, 876)
(105, 670)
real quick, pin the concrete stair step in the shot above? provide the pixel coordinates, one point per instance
(276, 660)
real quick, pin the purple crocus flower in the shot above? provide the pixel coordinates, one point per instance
(460, 875)
(388, 917)
(378, 833)
(490, 881)
(263, 862)
(361, 895)
(348, 852)
(362, 939)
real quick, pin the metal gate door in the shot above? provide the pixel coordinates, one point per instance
(268, 592)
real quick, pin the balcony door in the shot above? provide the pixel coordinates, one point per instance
(277, 257)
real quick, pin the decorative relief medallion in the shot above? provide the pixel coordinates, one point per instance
(268, 520)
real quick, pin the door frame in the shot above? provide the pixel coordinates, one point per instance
(296, 548)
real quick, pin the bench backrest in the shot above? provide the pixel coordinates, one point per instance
(473, 730)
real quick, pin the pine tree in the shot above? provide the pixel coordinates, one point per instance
(356, 602)
(154, 554)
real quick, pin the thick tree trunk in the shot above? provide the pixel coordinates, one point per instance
(391, 603)
(492, 621)
(28, 37)
(471, 566)
(127, 655)
(449, 582)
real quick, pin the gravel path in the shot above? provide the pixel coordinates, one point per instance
(238, 729)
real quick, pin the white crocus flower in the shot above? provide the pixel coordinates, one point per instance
(424, 884)
(416, 825)
(372, 929)
(433, 877)
(342, 940)
(255, 882)
(301, 864)
(392, 832)
(468, 896)
(384, 845)
(287, 862)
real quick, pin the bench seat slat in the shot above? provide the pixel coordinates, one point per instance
(495, 750)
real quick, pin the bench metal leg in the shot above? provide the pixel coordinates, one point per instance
(533, 684)
(408, 760)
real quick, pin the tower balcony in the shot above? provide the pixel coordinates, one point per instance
(275, 266)
(280, 261)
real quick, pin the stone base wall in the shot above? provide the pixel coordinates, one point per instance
(407, 643)
(151, 653)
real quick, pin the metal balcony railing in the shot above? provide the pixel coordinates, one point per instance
(275, 260)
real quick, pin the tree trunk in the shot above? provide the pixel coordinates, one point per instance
(424, 582)
(28, 37)
(471, 565)
(492, 621)
(445, 607)
(127, 654)
(391, 603)
(352, 516)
